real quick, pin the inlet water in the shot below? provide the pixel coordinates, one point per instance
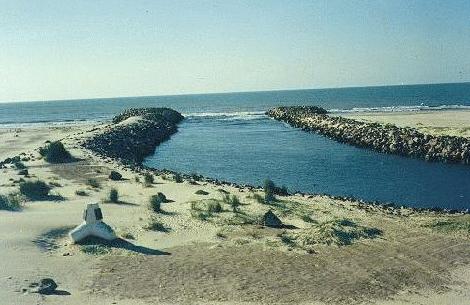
(254, 147)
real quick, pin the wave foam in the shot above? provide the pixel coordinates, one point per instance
(413, 108)
(226, 116)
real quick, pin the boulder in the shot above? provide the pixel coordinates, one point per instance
(271, 220)
(115, 176)
(45, 286)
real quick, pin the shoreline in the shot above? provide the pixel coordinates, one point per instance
(108, 127)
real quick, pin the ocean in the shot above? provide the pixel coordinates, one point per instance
(228, 137)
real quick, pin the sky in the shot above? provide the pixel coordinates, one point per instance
(55, 49)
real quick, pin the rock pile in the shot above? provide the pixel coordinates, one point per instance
(131, 140)
(383, 138)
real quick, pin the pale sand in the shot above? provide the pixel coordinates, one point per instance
(449, 122)
(410, 263)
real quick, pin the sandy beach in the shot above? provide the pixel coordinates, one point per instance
(448, 122)
(389, 255)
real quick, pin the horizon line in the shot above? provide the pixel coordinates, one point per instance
(226, 92)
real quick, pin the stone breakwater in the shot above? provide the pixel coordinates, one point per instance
(134, 134)
(387, 138)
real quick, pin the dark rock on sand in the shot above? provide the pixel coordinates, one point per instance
(271, 220)
(45, 286)
(115, 176)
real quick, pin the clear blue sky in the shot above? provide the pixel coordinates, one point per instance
(78, 49)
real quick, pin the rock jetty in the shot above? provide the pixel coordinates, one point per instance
(134, 134)
(384, 138)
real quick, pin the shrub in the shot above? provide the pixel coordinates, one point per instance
(232, 201)
(214, 207)
(23, 172)
(127, 235)
(113, 196)
(451, 224)
(55, 184)
(156, 225)
(155, 203)
(81, 193)
(205, 209)
(93, 183)
(340, 232)
(178, 178)
(35, 190)
(258, 198)
(55, 152)
(95, 249)
(269, 187)
(115, 176)
(11, 202)
(201, 192)
(19, 165)
(148, 179)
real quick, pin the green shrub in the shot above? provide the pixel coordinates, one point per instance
(55, 152)
(201, 192)
(232, 201)
(35, 190)
(214, 207)
(95, 249)
(113, 196)
(11, 202)
(148, 179)
(340, 232)
(451, 224)
(127, 235)
(93, 183)
(269, 187)
(258, 198)
(81, 193)
(205, 209)
(19, 165)
(156, 225)
(155, 203)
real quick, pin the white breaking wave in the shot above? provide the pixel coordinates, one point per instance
(414, 108)
(237, 115)
(48, 124)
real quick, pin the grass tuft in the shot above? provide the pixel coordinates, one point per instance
(55, 152)
(11, 202)
(113, 196)
(36, 190)
(156, 225)
(93, 183)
